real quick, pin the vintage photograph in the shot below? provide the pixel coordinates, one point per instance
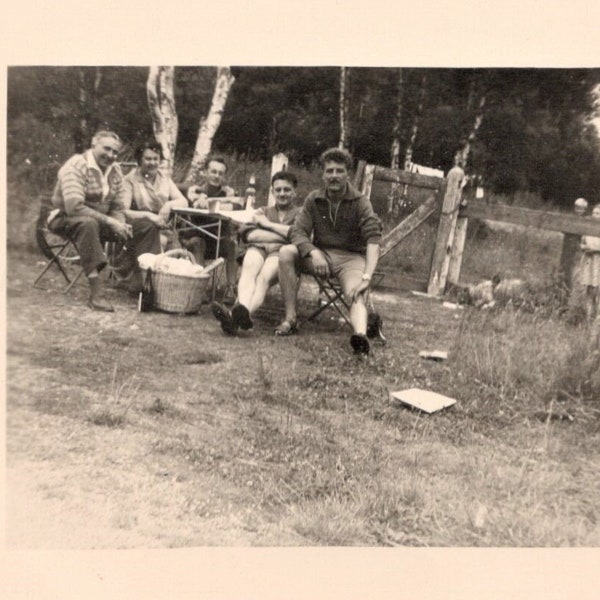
(302, 306)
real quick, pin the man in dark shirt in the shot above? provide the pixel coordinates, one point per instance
(197, 195)
(336, 234)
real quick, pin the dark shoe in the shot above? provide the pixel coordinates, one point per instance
(223, 315)
(375, 327)
(359, 343)
(287, 328)
(100, 305)
(241, 317)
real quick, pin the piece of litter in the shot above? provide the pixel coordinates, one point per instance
(437, 355)
(480, 516)
(452, 305)
(424, 400)
(424, 295)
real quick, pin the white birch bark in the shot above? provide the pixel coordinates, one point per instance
(343, 106)
(395, 150)
(460, 160)
(210, 123)
(161, 102)
(415, 126)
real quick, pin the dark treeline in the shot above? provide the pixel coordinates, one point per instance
(536, 133)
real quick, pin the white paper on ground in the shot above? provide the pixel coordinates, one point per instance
(424, 400)
(434, 354)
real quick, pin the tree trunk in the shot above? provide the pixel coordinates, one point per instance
(210, 124)
(461, 157)
(344, 106)
(395, 151)
(161, 101)
(415, 126)
(89, 86)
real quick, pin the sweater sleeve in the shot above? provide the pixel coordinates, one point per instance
(370, 224)
(301, 231)
(72, 181)
(116, 207)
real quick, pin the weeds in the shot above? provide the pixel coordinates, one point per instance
(113, 412)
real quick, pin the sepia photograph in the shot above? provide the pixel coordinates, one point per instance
(314, 306)
(326, 305)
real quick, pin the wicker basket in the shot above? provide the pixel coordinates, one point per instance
(178, 293)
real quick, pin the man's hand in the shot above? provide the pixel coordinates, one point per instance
(358, 290)
(201, 201)
(320, 264)
(260, 220)
(123, 231)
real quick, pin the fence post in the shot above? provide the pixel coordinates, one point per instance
(568, 255)
(460, 236)
(358, 175)
(446, 231)
(367, 181)
(279, 163)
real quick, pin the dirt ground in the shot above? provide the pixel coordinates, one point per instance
(74, 483)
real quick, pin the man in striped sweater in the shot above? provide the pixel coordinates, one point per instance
(89, 198)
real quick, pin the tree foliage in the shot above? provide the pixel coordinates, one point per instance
(536, 133)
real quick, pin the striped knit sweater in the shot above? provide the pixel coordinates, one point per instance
(83, 190)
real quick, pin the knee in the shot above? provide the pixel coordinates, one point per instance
(89, 225)
(143, 226)
(288, 255)
(195, 243)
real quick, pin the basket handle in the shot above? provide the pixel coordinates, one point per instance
(181, 253)
(213, 265)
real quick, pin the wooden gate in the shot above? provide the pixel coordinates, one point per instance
(443, 192)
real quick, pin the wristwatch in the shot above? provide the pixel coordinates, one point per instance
(366, 277)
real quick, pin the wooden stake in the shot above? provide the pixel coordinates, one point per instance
(446, 231)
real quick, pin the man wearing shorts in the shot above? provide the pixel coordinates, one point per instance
(263, 238)
(336, 234)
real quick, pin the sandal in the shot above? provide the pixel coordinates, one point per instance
(287, 328)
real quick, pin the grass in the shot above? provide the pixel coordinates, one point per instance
(192, 438)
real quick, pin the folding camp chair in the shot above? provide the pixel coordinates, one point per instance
(62, 252)
(332, 295)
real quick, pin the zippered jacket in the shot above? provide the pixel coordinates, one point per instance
(350, 226)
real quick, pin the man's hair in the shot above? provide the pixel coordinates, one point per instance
(104, 133)
(147, 145)
(216, 158)
(338, 155)
(286, 176)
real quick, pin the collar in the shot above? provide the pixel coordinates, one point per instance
(141, 177)
(92, 164)
(351, 193)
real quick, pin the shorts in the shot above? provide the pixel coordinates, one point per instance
(348, 267)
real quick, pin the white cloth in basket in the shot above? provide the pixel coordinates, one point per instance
(168, 264)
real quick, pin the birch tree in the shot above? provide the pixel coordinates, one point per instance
(161, 101)
(395, 151)
(415, 125)
(461, 157)
(344, 105)
(89, 79)
(210, 123)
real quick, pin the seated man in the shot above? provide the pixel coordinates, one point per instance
(336, 233)
(261, 264)
(89, 195)
(197, 195)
